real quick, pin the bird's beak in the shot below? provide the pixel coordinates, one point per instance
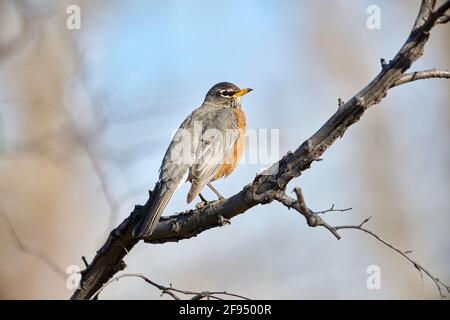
(241, 92)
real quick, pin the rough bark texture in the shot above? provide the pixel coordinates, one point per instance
(270, 185)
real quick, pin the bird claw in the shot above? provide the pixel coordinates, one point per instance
(203, 204)
(200, 205)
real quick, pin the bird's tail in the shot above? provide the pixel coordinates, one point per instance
(159, 199)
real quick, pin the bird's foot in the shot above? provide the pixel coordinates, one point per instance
(200, 205)
(203, 204)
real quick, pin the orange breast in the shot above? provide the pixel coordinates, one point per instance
(233, 158)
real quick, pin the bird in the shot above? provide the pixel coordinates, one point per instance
(207, 146)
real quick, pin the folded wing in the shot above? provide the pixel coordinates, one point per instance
(215, 146)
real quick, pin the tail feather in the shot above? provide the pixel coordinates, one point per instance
(160, 197)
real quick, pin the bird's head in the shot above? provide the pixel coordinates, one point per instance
(225, 93)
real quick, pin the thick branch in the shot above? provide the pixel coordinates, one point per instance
(270, 184)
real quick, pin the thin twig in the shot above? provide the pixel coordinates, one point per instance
(40, 255)
(421, 75)
(86, 263)
(439, 284)
(314, 221)
(421, 284)
(101, 174)
(332, 209)
(171, 291)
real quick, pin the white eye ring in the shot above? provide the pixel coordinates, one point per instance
(226, 93)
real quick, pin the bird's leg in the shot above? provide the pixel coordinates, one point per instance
(202, 204)
(215, 191)
(205, 202)
(202, 198)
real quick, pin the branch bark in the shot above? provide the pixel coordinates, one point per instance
(271, 184)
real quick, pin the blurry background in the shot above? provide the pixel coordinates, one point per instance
(86, 115)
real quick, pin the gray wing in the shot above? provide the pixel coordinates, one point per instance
(216, 144)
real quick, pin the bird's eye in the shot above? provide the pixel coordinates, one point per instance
(226, 93)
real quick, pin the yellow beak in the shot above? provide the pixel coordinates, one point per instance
(242, 92)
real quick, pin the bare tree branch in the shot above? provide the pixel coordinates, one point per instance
(171, 291)
(271, 184)
(314, 220)
(439, 284)
(421, 75)
(40, 255)
(83, 142)
(444, 19)
(311, 217)
(333, 209)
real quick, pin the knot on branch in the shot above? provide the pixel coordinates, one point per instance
(174, 226)
(384, 64)
(341, 103)
(223, 221)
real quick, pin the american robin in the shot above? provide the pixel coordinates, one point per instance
(207, 146)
